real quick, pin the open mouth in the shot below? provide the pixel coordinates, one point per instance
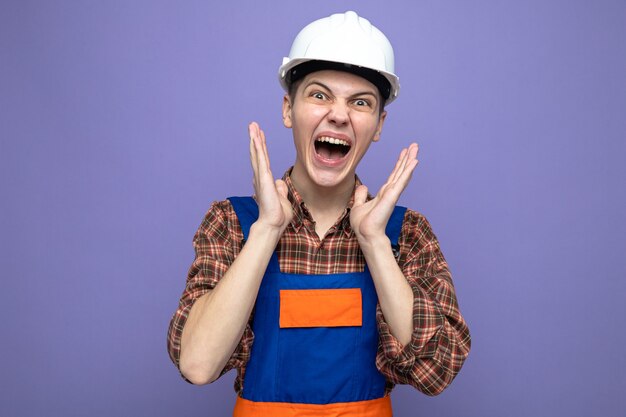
(331, 148)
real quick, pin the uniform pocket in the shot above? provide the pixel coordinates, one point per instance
(321, 308)
(319, 334)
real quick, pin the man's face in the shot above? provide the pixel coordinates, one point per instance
(335, 117)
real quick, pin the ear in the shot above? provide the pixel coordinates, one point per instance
(287, 111)
(379, 128)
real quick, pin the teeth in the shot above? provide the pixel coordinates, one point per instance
(334, 141)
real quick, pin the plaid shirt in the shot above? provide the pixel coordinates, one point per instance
(440, 341)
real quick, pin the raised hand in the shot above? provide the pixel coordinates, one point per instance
(369, 218)
(271, 195)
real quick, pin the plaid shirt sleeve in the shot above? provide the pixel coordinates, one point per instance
(440, 342)
(216, 243)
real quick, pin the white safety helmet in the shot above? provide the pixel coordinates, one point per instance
(344, 42)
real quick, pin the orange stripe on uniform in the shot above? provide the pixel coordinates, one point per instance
(380, 407)
(321, 308)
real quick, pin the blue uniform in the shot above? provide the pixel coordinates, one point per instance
(315, 339)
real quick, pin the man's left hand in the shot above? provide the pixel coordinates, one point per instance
(369, 218)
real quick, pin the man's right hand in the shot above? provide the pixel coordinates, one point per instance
(218, 319)
(275, 209)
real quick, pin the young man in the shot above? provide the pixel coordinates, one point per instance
(321, 296)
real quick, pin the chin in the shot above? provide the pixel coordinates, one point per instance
(329, 179)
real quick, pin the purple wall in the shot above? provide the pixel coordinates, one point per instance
(121, 121)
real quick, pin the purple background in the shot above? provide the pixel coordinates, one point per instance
(121, 121)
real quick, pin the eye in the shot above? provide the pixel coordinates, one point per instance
(361, 102)
(318, 95)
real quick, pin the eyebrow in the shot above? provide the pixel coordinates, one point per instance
(315, 82)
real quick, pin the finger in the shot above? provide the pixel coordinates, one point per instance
(405, 177)
(253, 153)
(399, 166)
(411, 164)
(393, 177)
(261, 149)
(396, 168)
(265, 152)
(262, 173)
(411, 154)
(412, 158)
(393, 191)
(281, 187)
(264, 178)
(402, 165)
(413, 151)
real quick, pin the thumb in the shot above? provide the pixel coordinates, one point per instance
(281, 187)
(360, 195)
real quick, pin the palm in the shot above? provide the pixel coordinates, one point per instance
(271, 196)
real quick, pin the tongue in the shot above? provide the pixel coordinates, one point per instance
(329, 151)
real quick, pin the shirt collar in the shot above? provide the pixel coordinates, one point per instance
(299, 209)
(301, 214)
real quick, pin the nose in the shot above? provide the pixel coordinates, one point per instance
(338, 113)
